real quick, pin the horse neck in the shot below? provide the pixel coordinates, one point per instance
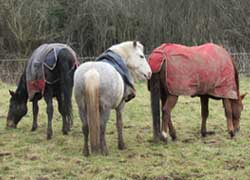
(21, 87)
(236, 80)
(121, 52)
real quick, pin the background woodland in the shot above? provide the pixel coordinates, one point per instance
(91, 26)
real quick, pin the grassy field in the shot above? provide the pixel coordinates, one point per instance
(28, 155)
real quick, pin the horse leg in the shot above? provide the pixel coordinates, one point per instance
(48, 100)
(119, 126)
(104, 118)
(155, 94)
(172, 131)
(164, 125)
(204, 114)
(229, 116)
(85, 131)
(236, 124)
(35, 110)
(65, 127)
(166, 122)
(236, 115)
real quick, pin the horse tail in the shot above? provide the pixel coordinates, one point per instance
(91, 94)
(154, 84)
(65, 59)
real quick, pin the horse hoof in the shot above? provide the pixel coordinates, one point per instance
(203, 134)
(49, 136)
(174, 138)
(237, 130)
(121, 146)
(86, 153)
(33, 129)
(156, 138)
(232, 134)
(65, 132)
(164, 139)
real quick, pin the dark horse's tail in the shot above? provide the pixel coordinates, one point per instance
(154, 87)
(66, 67)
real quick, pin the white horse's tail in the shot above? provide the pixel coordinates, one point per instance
(91, 94)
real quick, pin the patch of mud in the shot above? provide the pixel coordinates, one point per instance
(127, 126)
(5, 154)
(42, 178)
(211, 142)
(234, 165)
(158, 154)
(110, 133)
(132, 155)
(161, 177)
(32, 157)
(189, 140)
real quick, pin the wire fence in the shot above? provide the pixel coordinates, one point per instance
(11, 69)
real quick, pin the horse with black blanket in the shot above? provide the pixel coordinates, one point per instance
(49, 73)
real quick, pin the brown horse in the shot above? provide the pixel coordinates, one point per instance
(177, 61)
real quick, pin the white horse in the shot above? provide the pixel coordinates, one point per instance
(99, 87)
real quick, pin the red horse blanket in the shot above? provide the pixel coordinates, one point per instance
(198, 70)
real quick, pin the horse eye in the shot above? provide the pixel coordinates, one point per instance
(141, 56)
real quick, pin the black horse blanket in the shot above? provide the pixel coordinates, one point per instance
(44, 55)
(118, 63)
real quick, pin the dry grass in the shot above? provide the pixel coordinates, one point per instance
(28, 155)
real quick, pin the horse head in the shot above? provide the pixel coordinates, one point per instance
(133, 55)
(17, 109)
(237, 108)
(242, 96)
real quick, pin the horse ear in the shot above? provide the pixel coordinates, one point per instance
(12, 93)
(135, 44)
(243, 96)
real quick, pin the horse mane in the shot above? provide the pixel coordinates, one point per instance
(236, 79)
(21, 87)
(123, 48)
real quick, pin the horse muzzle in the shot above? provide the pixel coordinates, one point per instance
(10, 124)
(149, 75)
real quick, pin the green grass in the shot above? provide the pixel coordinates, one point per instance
(28, 155)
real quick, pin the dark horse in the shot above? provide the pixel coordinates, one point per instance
(160, 90)
(58, 82)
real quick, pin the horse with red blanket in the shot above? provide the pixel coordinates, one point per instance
(206, 71)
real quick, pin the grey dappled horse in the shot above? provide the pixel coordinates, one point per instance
(100, 87)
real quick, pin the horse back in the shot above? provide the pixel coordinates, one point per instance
(199, 70)
(111, 83)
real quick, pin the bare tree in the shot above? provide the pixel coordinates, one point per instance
(91, 26)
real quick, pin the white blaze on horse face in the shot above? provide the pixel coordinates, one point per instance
(139, 64)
